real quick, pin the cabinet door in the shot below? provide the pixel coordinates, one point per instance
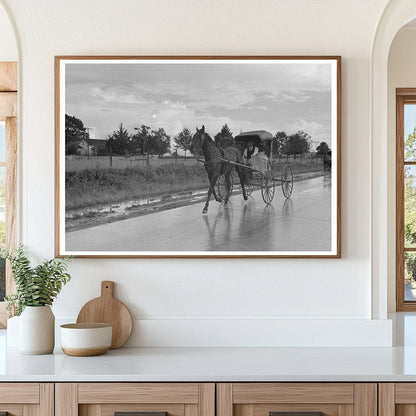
(397, 399)
(26, 399)
(141, 399)
(297, 399)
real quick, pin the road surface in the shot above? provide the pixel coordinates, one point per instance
(302, 223)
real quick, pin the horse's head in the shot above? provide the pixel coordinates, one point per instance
(198, 140)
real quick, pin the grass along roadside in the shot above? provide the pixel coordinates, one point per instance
(94, 187)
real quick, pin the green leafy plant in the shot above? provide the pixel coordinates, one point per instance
(35, 285)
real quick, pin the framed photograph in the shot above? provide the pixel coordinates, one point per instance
(205, 156)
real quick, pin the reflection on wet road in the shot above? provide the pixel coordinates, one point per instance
(302, 223)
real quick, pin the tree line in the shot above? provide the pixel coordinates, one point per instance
(147, 141)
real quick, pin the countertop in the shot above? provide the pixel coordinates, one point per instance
(215, 364)
(222, 364)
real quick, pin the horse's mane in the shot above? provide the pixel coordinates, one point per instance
(210, 138)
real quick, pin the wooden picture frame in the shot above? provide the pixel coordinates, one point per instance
(125, 130)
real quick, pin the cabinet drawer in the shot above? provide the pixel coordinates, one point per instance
(21, 399)
(397, 399)
(144, 399)
(297, 399)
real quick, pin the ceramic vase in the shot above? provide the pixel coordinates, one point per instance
(37, 330)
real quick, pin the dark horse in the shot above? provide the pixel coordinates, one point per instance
(216, 164)
(327, 161)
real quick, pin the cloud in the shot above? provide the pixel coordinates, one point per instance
(115, 95)
(317, 131)
(295, 96)
(173, 96)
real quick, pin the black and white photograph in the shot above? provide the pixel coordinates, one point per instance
(198, 157)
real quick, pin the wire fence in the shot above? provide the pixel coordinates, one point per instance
(78, 162)
(74, 163)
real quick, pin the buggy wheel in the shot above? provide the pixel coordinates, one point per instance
(222, 186)
(267, 187)
(287, 181)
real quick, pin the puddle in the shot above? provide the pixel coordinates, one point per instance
(123, 208)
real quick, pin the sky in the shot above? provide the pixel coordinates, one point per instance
(272, 96)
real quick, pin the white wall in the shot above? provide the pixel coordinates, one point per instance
(401, 74)
(275, 301)
(8, 47)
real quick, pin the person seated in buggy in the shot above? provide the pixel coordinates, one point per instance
(255, 156)
(250, 151)
(256, 149)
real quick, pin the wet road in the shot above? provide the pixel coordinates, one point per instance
(302, 223)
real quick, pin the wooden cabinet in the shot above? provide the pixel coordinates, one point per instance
(208, 399)
(27, 399)
(267, 399)
(108, 399)
(397, 399)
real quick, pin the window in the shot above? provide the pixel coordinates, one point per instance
(8, 166)
(406, 199)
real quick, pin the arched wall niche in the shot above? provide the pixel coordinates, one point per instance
(396, 15)
(9, 50)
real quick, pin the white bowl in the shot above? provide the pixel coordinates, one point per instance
(83, 340)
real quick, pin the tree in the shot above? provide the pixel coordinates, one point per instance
(159, 142)
(225, 137)
(410, 146)
(226, 132)
(322, 149)
(74, 133)
(139, 143)
(119, 142)
(279, 141)
(184, 140)
(297, 144)
(410, 191)
(410, 209)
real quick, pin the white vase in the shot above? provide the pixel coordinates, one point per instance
(37, 330)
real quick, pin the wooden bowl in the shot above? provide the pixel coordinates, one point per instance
(84, 340)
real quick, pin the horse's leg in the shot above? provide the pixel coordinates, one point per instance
(211, 190)
(227, 185)
(241, 175)
(217, 198)
(205, 209)
(213, 181)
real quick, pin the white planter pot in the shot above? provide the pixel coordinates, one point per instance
(37, 330)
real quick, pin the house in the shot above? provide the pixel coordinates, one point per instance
(92, 147)
(346, 301)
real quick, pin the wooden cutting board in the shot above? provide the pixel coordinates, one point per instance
(107, 309)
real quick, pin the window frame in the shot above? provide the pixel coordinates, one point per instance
(8, 113)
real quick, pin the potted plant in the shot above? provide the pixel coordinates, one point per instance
(36, 289)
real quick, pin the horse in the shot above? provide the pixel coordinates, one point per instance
(327, 161)
(215, 165)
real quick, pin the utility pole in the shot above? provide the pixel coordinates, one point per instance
(87, 133)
